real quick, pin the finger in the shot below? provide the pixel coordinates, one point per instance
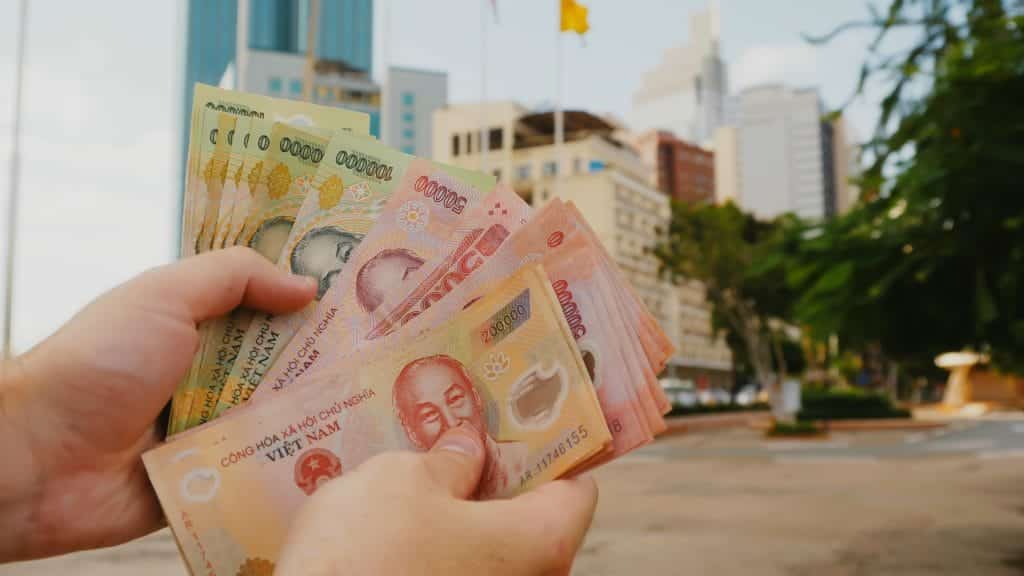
(213, 284)
(558, 513)
(456, 461)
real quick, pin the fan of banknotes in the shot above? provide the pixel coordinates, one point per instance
(443, 300)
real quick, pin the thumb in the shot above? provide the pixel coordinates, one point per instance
(456, 461)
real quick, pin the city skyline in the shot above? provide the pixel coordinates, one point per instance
(102, 98)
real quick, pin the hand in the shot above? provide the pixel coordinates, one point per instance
(406, 513)
(77, 411)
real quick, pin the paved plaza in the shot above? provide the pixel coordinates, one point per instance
(727, 502)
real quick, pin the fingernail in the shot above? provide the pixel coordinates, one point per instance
(462, 440)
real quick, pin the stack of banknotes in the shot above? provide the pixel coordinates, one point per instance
(443, 300)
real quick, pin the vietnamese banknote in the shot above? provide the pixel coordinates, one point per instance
(507, 366)
(292, 159)
(350, 190)
(416, 225)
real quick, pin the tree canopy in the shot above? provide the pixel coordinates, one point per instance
(931, 259)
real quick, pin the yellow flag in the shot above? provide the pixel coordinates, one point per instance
(574, 17)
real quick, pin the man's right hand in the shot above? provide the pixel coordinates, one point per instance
(406, 513)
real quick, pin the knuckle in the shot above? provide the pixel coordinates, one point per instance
(241, 253)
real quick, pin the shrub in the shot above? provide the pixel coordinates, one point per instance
(798, 428)
(846, 404)
(716, 409)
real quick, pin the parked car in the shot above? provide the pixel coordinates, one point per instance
(680, 393)
(714, 397)
(748, 395)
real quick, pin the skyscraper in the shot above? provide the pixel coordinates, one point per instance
(685, 93)
(410, 98)
(781, 161)
(274, 41)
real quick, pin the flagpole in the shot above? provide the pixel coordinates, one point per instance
(241, 44)
(559, 120)
(311, 39)
(12, 191)
(484, 143)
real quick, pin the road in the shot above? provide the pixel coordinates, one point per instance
(728, 502)
(948, 501)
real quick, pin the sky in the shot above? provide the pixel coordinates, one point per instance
(102, 115)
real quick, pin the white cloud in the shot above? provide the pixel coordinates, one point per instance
(794, 64)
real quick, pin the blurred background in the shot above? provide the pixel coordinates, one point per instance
(819, 201)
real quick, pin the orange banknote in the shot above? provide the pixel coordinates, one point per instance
(507, 365)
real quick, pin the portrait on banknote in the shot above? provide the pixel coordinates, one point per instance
(322, 253)
(436, 393)
(382, 273)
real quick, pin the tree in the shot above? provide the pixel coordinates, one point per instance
(716, 245)
(932, 257)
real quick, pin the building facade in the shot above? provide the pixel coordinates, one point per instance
(782, 156)
(846, 165)
(727, 177)
(683, 171)
(262, 46)
(781, 164)
(685, 94)
(407, 115)
(610, 184)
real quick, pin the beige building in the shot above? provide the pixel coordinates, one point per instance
(726, 147)
(610, 184)
(846, 164)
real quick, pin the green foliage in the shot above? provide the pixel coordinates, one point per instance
(932, 258)
(717, 409)
(719, 246)
(846, 404)
(798, 429)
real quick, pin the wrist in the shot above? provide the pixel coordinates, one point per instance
(19, 482)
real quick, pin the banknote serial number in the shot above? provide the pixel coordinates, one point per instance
(570, 441)
(441, 194)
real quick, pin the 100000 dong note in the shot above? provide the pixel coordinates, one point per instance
(252, 106)
(416, 225)
(350, 189)
(506, 365)
(202, 171)
(292, 157)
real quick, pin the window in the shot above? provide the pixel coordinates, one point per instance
(296, 86)
(408, 134)
(497, 174)
(494, 138)
(576, 165)
(407, 117)
(550, 169)
(274, 85)
(455, 145)
(544, 194)
(408, 99)
(409, 149)
(469, 142)
(523, 172)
